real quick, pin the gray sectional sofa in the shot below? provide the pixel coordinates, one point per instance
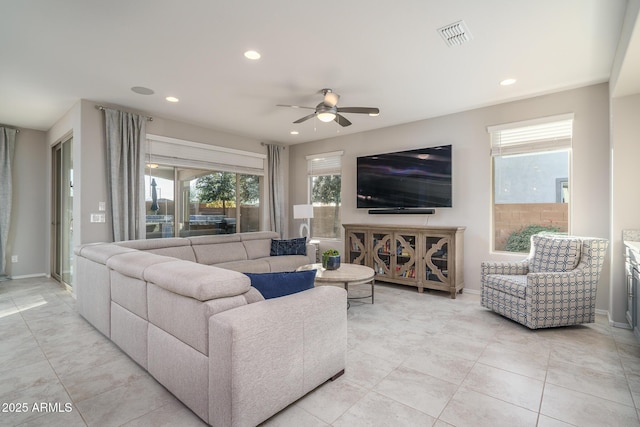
(182, 309)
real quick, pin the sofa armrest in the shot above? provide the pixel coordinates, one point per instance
(266, 355)
(578, 280)
(519, 268)
(561, 298)
(311, 253)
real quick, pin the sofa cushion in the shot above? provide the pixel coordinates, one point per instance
(510, 284)
(274, 285)
(222, 252)
(285, 263)
(248, 266)
(258, 248)
(258, 235)
(297, 246)
(175, 247)
(201, 282)
(100, 252)
(554, 254)
(258, 243)
(130, 293)
(133, 264)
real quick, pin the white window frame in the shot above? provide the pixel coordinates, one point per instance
(545, 134)
(189, 154)
(180, 153)
(324, 164)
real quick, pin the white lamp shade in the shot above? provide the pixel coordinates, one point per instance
(302, 211)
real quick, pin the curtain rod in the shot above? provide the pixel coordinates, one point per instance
(264, 144)
(10, 127)
(101, 108)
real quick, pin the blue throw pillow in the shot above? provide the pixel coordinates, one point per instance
(274, 285)
(296, 246)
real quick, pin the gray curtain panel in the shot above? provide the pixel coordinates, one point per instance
(276, 184)
(7, 148)
(126, 133)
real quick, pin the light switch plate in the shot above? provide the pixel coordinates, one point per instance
(98, 217)
(102, 206)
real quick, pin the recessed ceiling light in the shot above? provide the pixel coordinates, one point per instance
(374, 114)
(294, 132)
(252, 54)
(142, 90)
(172, 99)
(507, 82)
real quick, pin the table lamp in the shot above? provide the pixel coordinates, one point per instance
(303, 212)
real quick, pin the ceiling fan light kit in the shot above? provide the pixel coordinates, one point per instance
(328, 109)
(326, 117)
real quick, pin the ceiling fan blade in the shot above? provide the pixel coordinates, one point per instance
(305, 118)
(331, 99)
(361, 110)
(342, 120)
(294, 106)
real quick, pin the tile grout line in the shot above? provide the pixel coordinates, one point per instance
(52, 368)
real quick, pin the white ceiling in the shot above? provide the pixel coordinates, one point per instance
(374, 53)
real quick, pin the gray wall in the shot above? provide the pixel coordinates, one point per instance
(467, 132)
(625, 152)
(28, 232)
(472, 186)
(625, 201)
(86, 123)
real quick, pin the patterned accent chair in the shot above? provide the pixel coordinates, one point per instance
(554, 286)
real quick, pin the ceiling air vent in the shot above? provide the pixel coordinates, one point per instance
(455, 34)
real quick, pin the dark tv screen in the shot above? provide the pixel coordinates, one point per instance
(406, 179)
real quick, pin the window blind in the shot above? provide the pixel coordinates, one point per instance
(546, 134)
(181, 153)
(325, 164)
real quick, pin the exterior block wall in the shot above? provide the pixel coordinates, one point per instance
(515, 216)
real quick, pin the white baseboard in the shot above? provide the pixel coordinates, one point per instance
(30, 276)
(621, 325)
(471, 291)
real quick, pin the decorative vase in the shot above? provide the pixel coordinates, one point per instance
(333, 262)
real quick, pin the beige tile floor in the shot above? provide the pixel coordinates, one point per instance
(413, 360)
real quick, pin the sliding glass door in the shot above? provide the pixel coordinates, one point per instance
(191, 202)
(62, 214)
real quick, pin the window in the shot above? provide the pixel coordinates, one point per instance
(325, 181)
(195, 189)
(531, 180)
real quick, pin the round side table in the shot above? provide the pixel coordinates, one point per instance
(346, 275)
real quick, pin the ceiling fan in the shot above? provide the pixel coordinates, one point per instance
(328, 109)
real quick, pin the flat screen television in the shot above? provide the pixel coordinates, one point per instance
(406, 179)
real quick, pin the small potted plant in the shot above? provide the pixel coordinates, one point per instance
(331, 259)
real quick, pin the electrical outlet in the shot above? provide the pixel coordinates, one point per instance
(98, 217)
(102, 206)
(14, 258)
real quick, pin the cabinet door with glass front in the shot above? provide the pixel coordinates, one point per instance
(382, 255)
(406, 265)
(394, 255)
(356, 242)
(436, 259)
